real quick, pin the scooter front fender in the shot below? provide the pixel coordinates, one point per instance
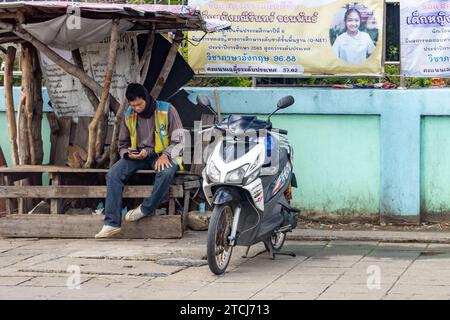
(225, 195)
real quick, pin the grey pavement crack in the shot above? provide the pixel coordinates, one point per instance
(301, 261)
(404, 271)
(342, 274)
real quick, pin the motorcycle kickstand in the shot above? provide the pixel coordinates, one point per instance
(246, 252)
(291, 254)
(272, 253)
(248, 249)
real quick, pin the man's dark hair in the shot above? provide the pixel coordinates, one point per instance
(136, 90)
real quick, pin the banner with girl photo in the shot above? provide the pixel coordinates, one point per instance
(290, 38)
(425, 38)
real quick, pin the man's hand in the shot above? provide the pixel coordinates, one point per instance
(162, 163)
(142, 155)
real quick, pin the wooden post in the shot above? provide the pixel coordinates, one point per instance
(216, 98)
(105, 94)
(60, 61)
(55, 204)
(141, 71)
(168, 64)
(2, 182)
(187, 195)
(103, 124)
(10, 203)
(36, 89)
(102, 130)
(24, 150)
(26, 91)
(76, 55)
(113, 156)
(171, 206)
(9, 103)
(201, 142)
(54, 129)
(22, 136)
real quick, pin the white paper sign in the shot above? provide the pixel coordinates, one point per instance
(425, 38)
(65, 91)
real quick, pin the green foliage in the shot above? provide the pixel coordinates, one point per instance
(220, 82)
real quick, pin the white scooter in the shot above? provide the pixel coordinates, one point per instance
(247, 181)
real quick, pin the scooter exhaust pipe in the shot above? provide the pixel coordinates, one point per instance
(285, 228)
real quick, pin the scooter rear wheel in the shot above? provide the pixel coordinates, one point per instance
(277, 241)
(218, 246)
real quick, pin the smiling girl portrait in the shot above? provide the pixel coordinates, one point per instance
(355, 34)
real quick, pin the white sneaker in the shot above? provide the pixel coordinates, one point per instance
(107, 232)
(134, 214)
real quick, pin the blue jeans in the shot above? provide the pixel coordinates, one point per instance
(118, 175)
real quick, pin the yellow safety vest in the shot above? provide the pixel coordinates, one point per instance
(162, 138)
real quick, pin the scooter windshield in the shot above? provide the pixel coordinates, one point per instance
(234, 147)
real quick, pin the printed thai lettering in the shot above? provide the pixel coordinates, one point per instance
(441, 18)
(299, 18)
(434, 59)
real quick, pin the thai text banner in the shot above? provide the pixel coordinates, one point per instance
(290, 38)
(425, 38)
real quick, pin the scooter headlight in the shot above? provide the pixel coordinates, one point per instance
(212, 172)
(237, 175)
(252, 177)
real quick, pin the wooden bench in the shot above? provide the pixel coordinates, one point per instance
(57, 190)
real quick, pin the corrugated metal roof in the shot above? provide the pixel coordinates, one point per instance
(143, 16)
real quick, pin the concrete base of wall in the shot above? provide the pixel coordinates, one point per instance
(436, 217)
(396, 220)
(339, 218)
(400, 220)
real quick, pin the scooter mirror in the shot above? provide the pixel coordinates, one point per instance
(285, 102)
(204, 101)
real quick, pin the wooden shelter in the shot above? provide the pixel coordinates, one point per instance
(39, 27)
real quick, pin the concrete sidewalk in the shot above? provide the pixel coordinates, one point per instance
(369, 235)
(176, 269)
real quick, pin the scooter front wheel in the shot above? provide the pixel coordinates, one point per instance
(218, 246)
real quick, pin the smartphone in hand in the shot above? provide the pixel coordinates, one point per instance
(136, 152)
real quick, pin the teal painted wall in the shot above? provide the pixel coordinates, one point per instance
(356, 151)
(4, 138)
(336, 162)
(435, 164)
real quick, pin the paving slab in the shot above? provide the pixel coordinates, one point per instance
(12, 281)
(105, 267)
(165, 269)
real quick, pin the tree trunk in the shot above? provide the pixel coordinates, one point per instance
(9, 103)
(22, 136)
(38, 105)
(102, 130)
(105, 94)
(87, 91)
(142, 69)
(26, 90)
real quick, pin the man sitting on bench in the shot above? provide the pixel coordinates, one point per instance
(151, 137)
